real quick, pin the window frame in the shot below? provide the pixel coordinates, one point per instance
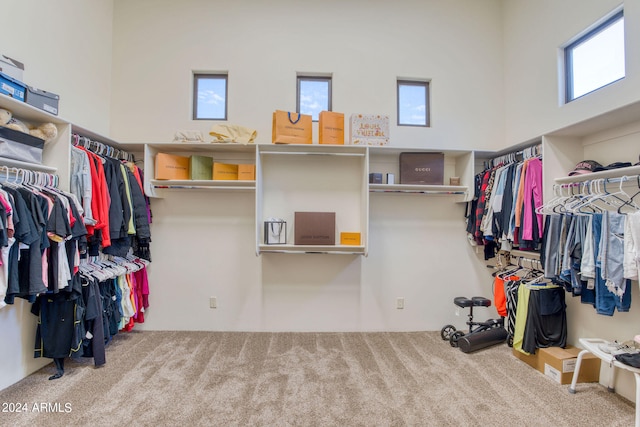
(568, 55)
(317, 78)
(427, 113)
(202, 76)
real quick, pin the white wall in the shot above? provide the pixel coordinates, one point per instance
(366, 45)
(205, 246)
(417, 246)
(534, 32)
(66, 48)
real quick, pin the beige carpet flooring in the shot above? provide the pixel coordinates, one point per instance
(305, 379)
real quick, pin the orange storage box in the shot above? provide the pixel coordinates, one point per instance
(170, 166)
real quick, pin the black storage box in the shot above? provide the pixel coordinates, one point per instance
(375, 178)
(21, 146)
(42, 99)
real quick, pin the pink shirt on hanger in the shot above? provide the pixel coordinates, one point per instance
(532, 190)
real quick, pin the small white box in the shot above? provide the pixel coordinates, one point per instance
(391, 178)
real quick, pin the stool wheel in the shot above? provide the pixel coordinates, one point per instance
(455, 336)
(446, 331)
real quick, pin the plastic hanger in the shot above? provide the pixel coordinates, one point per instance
(558, 198)
(614, 199)
(631, 202)
(589, 202)
(561, 207)
(583, 205)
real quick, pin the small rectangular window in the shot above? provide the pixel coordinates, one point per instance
(596, 58)
(210, 97)
(413, 103)
(313, 95)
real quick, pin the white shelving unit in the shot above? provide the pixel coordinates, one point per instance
(226, 153)
(11, 163)
(55, 156)
(308, 249)
(27, 112)
(459, 191)
(55, 153)
(607, 174)
(608, 138)
(457, 163)
(195, 184)
(313, 178)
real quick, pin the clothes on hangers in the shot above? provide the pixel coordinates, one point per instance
(540, 319)
(503, 212)
(92, 327)
(511, 293)
(120, 210)
(585, 254)
(499, 289)
(81, 320)
(44, 239)
(531, 199)
(546, 321)
(631, 260)
(81, 184)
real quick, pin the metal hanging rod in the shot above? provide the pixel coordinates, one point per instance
(102, 148)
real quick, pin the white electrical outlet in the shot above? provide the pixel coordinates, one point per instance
(400, 303)
(213, 302)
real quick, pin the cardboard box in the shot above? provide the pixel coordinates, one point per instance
(42, 99)
(201, 167)
(315, 228)
(12, 87)
(331, 128)
(350, 238)
(246, 172)
(529, 359)
(225, 171)
(422, 168)
(368, 129)
(20, 146)
(559, 363)
(11, 67)
(170, 166)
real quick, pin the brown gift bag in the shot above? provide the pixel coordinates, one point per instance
(291, 128)
(331, 128)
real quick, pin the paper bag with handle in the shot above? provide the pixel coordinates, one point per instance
(331, 128)
(291, 128)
